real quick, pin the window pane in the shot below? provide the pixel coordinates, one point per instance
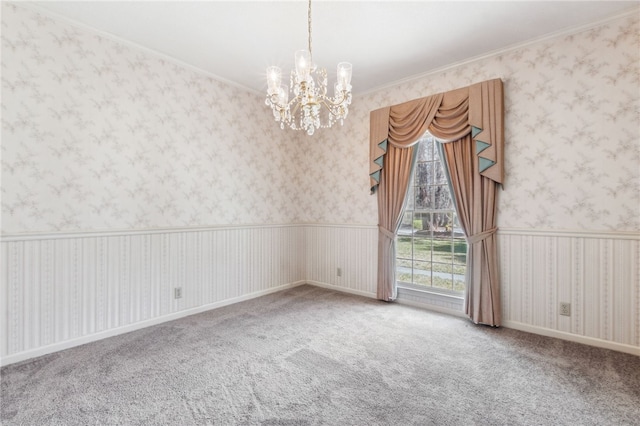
(460, 251)
(422, 273)
(404, 275)
(440, 221)
(443, 282)
(442, 224)
(410, 198)
(442, 198)
(442, 251)
(403, 248)
(425, 151)
(422, 222)
(407, 220)
(443, 269)
(439, 175)
(458, 283)
(457, 230)
(424, 174)
(423, 197)
(422, 249)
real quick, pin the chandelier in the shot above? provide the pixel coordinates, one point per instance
(309, 89)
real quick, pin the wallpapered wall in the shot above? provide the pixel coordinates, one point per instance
(98, 135)
(572, 134)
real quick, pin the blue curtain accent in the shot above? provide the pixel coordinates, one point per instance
(481, 146)
(380, 162)
(484, 164)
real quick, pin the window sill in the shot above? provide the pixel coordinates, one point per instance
(428, 299)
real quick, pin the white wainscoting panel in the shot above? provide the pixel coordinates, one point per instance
(597, 273)
(58, 291)
(62, 288)
(352, 248)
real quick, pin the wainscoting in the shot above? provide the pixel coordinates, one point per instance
(352, 249)
(62, 290)
(597, 273)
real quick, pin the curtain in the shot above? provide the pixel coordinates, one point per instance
(475, 200)
(477, 112)
(391, 196)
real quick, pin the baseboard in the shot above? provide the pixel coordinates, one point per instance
(620, 347)
(341, 289)
(67, 344)
(591, 341)
(45, 350)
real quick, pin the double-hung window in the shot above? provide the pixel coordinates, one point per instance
(431, 248)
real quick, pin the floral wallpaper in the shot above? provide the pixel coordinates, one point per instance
(100, 135)
(97, 135)
(572, 126)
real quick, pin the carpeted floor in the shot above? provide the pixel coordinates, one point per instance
(310, 356)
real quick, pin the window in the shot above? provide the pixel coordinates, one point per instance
(431, 248)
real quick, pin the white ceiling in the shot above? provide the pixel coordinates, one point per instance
(386, 41)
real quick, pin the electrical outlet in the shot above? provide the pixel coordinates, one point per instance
(177, 293)
(339, 272)
(565, 309)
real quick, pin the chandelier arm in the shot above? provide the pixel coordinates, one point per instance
(333, 109)
(288, 104)
(275, 103)
(297, 106)
(326, 100)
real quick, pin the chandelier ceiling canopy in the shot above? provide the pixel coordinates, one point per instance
(311, 107)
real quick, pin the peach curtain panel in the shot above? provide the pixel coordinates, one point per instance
(396, 176)
(475, 197)
(475, 113)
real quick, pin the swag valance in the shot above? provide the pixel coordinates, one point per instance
(477, 110)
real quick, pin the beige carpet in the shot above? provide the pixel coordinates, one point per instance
(311, 356)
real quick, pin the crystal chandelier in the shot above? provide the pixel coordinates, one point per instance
(309, 88)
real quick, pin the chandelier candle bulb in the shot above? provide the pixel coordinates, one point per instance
(274, 78)
(283, 95)
(344, 75)
(303, 64)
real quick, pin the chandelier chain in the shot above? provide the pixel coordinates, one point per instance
(309, 28)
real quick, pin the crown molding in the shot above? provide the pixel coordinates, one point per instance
(556, 34)
(38, 9)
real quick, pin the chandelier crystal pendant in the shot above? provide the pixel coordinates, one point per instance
(309, 88)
